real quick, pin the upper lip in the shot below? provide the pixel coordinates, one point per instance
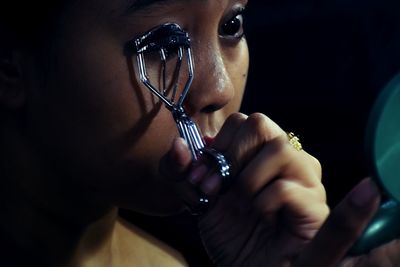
(208, 140)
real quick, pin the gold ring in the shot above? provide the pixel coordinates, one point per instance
(294, 141)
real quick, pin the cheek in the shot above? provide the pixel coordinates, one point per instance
(94, 113)
(238, 65)
(241, 67)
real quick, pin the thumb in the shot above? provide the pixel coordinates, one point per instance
(176, 162)
(342, 228)
(175, 165)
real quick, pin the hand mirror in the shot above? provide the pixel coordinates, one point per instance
(383, 150)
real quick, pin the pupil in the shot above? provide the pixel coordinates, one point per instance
(232, 26)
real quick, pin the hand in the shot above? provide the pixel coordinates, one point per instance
(341, 230)
(384, 256)
(276, 204)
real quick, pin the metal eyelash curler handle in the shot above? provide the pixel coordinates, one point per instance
(190, 132)
(163, 39)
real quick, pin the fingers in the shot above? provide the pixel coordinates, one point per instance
(342, 228)
(279, 158)
(201, 175)
(247, 140)
(304, 209)
(265, 165)
(259, 151)
(240, 139)
(178, 159)
(274, 177)
(174, 166)
(225, 136)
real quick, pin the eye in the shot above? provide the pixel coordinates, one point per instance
(233, 27)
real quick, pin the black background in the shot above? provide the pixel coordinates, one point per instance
(316, 68)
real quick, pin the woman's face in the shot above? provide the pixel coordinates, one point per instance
(99, 126)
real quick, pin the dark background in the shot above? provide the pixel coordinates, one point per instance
(316, 68)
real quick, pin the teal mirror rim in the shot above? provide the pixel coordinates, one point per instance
(383, 139)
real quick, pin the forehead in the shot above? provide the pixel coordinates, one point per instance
(138, 13)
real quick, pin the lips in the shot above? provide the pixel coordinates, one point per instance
(208, 140)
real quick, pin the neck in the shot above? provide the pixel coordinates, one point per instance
(53, 238)
(42, 221)
(49, 223)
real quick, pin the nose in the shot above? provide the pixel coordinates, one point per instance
(212, 86)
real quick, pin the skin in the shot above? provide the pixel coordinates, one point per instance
(79, 143)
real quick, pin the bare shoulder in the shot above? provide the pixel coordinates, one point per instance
(135, 245)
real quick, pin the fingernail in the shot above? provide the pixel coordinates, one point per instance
(364, 194)
(197, 173)
(210, 184)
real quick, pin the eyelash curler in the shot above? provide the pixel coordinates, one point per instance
(166, 40)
